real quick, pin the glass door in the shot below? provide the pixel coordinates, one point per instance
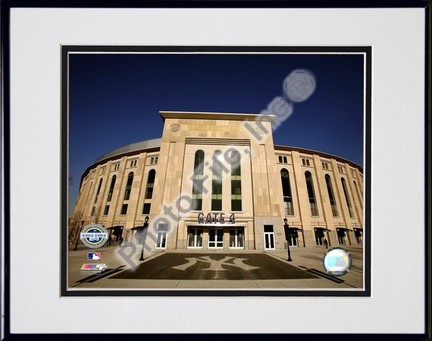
(195, 237)
(341, 236)
(216, 238)
(161, 236)
(292, 240)
(236, 238)
(319, 236)
(269, 243)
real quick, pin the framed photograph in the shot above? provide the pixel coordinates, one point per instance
(212, 156)
(218, 230)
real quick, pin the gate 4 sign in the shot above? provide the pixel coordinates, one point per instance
(215, 218)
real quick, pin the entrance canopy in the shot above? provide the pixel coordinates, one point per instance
(358, 231)
(115, 229)
(139, 228)
(321, 229)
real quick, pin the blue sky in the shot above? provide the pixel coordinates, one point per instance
(115, 99)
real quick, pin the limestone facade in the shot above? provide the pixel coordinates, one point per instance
(217, 181)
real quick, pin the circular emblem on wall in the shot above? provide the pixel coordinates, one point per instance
(337, 261)
(174, 127)
(94, 236)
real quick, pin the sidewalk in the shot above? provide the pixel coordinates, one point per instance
(312, 258)
(307, 259)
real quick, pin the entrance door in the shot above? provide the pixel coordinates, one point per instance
(195, 237)
(269, 243)
(161, 236)
(216, 238)
(341, 236)
(293, 240)
(358, 235)
(319, 236)
(236, 238)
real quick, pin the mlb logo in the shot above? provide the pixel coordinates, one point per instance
(94, 255)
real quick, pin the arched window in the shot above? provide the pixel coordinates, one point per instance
(311, 194)
(199, 163)
(286, 191)
(111, 189)
(360, 198)
(235, 162)
(216, 202)
(88, 196)
(150, 184)
(98, 190)
(331, 196)
(128, 186)
(197, 181)
(347, 198)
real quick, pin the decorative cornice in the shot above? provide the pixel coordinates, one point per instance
(220, 116)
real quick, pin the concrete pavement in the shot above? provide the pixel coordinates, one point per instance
(309, 260)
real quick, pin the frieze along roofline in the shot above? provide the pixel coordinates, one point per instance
(220, 116)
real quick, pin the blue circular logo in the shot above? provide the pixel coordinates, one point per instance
(337, 261)
(94, 236)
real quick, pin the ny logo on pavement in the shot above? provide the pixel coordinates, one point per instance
(216, 265)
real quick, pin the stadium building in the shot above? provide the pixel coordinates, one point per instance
(217, 181)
